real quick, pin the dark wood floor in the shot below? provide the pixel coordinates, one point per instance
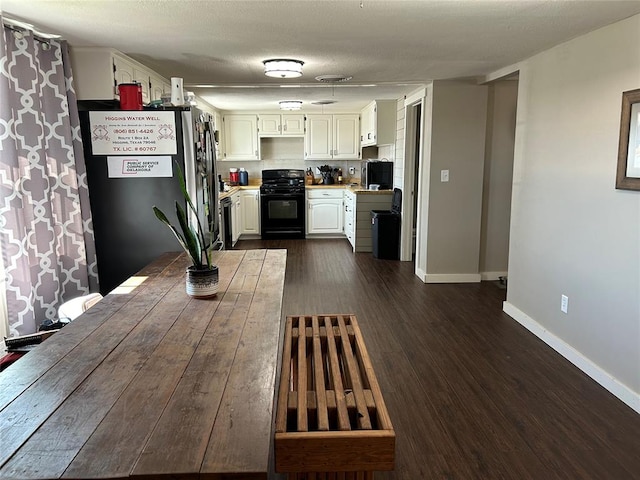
(471, 393)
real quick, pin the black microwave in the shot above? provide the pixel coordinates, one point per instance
(376, 172)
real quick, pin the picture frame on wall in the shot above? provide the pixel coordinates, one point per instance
(628, 173)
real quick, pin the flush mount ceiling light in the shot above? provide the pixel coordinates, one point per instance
(283, 68)
(290, 105)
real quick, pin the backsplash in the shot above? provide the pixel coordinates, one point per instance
(290, 155)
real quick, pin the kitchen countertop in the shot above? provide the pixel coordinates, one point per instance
(361, 190)
(235, 189)
(353, 187)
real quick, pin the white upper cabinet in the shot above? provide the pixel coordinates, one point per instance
(318, 141)
(143, 77)
(98, 72)
(240, 134)
(276, 125)
(157, 87)
(378, 125)
(269, 125)
(292, 124)
(122, 70)
(345, 136)
(332, 137)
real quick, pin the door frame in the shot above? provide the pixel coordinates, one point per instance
(412, 128)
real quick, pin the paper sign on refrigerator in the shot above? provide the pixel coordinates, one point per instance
(138, 167)
(133, 133)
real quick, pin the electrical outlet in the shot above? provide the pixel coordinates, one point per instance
(444, 175)
(352, 170)
(564, 304)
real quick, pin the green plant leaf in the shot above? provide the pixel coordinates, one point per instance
(191, 239)
(163, 218)
(200, 231)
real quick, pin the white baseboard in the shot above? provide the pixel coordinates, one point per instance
(491, 276)
(421, 274)
(311, 236)
(452, 278)
(624, 393)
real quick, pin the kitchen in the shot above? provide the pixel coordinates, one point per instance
(327, 174)
(253, 141)
(553, 197)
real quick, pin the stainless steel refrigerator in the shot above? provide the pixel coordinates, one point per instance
(128, 236)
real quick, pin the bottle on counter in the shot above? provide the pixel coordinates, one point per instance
(243, 178)
(340, 176)
(220, 183)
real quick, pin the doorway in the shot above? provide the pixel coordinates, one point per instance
(498, 179)
(414, 121)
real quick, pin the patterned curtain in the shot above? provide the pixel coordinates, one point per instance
(46, 235)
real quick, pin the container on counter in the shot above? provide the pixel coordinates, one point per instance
(243, 177)
(234, 177)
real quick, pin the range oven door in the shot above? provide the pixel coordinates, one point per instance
(282, 215)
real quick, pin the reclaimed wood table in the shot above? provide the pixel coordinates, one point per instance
(150, 383)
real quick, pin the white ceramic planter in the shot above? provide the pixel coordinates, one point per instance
(202, 283)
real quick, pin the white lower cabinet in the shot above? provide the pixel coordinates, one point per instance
(350, 217)
(236, 217)
(325, 211)
(250, 212)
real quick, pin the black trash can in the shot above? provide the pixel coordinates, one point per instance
(385, 229)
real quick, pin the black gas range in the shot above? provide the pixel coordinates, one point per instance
(282, 204)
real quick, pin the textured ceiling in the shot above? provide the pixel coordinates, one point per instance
(394, 44)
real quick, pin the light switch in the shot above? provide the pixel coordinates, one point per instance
(444, 175)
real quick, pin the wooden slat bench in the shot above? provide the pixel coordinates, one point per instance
(331, 420)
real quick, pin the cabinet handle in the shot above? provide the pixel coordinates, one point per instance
(256, 153)
(285, 128)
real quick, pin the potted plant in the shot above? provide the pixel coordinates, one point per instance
(202, 275)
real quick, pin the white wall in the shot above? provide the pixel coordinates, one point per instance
(572, 232)
(498, 176)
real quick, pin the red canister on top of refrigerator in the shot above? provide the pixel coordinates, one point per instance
(130, 96)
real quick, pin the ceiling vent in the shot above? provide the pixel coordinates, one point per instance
(333, 78)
